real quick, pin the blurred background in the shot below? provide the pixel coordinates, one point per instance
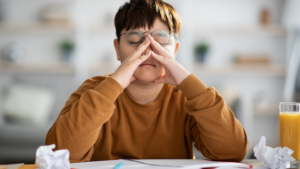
(247, 49)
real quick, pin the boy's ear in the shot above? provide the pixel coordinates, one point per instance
(116, 44)
(176, 47)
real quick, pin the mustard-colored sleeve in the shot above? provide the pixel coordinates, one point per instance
(78, 124)
(216, 133)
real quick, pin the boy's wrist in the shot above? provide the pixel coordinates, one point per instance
(192, 86)
(113, 76)
(183, 76)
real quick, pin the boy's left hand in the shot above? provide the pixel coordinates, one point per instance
(175, 72)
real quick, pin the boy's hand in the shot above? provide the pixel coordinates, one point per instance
(175, 73)
(124, 73)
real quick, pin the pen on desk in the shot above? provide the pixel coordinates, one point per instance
(119, 165)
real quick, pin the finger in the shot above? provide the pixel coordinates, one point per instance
(162, 51)
(142, 58)
(160, 58)
(141, 48)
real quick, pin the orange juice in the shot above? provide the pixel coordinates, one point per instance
(290, 132)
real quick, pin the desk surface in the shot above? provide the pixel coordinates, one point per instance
(31, 166)
(253, 162)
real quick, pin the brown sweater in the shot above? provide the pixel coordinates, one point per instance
(100, 121)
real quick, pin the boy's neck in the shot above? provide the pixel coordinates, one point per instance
(144, 94)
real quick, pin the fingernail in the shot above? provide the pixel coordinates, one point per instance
(147, 40)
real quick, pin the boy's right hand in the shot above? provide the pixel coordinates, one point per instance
(124, 74)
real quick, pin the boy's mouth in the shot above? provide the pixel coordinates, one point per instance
(146, 63)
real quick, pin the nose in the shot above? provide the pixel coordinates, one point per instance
(149, 47)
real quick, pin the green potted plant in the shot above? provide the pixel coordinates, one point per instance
(67, 48)
(201, 51)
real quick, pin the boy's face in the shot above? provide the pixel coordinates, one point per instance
(146, 73)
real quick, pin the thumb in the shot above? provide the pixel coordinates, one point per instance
(160, 58)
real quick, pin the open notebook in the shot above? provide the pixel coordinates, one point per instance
(159, 164)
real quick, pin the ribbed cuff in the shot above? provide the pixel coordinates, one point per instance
(110, 88)
(192, 86)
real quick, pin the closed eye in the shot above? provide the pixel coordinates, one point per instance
(134, 43)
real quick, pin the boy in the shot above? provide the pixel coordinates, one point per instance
(150, 107)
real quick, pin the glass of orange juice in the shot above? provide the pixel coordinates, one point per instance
(290, 129)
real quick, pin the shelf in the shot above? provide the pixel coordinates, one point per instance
(37, 69)
(53, 28)
(37, 28)
(229, 70)
(244, 70)
(274, 30)
(103, 29)
(59, 68)
(109, 28)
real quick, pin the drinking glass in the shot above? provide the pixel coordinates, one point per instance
(289, 115)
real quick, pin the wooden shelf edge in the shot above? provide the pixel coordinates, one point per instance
(37, 28)
(109, 28)
(37, 69)
(234, 69)
(230, 70)
(59, 68)
(246, 30)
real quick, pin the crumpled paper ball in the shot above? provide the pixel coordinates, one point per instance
(273, 158)
(46, 158)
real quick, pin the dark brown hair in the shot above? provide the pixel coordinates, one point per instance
(142, 13)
